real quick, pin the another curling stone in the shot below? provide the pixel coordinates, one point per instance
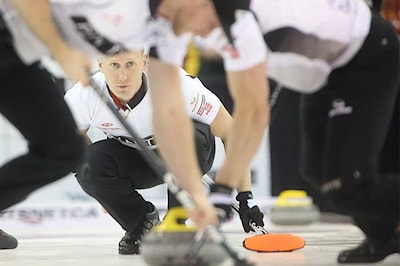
(168, 243)
(294, 207)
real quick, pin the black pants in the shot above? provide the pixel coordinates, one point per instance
(343, 131)
(31, 102)
(114, 172)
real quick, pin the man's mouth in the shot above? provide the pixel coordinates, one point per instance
(122, 86)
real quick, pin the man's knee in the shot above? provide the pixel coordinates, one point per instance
(96, 169)
(85, 179)
(205, 146)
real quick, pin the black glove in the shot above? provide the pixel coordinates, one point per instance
(221, 197)
(247, 214)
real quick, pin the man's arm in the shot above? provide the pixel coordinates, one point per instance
(220, 127)
(249, 90)
(248, 211)
(174, 134)
(37, 15)
(173, 129)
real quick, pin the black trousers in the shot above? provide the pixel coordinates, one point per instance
(114, 172)
(31, 102)
(344, 127)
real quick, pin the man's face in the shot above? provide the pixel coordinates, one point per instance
(123, 73)
(196, 16)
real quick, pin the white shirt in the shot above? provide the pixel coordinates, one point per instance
(100, 27)
(89, 110)
(305, 39)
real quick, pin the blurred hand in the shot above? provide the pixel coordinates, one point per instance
(74, 63)
(204, 214)
(220, 196)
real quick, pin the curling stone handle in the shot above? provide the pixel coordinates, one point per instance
(171, 221)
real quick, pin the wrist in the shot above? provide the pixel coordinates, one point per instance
(221, 194)
(219, 188)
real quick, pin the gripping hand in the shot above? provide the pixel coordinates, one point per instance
(221, 197)
(249, 215)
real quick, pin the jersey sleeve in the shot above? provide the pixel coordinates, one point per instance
(201, 104)
(248, 47)
(75, 99)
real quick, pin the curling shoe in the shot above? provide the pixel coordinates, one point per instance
(7, 241)
(370, 251)
(131, 241)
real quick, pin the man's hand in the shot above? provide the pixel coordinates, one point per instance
(220, 196)
(248, 214)
(74, 63)
(204, 214)
(38, 16)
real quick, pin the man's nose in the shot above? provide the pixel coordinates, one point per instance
(123, 75)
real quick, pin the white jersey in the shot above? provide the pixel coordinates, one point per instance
(101, 27)
(305, 39)
(89, 110)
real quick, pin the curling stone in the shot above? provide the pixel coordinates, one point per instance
(168, 243)
(294, 207)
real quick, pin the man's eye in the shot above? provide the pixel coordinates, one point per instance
(130, 64)
(114, 65)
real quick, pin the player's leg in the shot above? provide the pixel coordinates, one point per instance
(38, 111)
(111, 174)
(313, 121)
(32, 104)
(363, 98)
(205, 146)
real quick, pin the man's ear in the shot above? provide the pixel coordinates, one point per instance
(145, 61)
(100, 64)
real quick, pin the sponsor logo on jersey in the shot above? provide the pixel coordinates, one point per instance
(194, 102)
(107, 124)
(205, 107)
(113, 19)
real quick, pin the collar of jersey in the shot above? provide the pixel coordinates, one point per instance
(136, 99)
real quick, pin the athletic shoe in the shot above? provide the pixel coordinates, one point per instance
(370, 251)
(7, 241)
(131, 241)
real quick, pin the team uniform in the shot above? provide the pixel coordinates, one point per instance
(89, 110)
(114, 168)
(104, 27)
(344, 58)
